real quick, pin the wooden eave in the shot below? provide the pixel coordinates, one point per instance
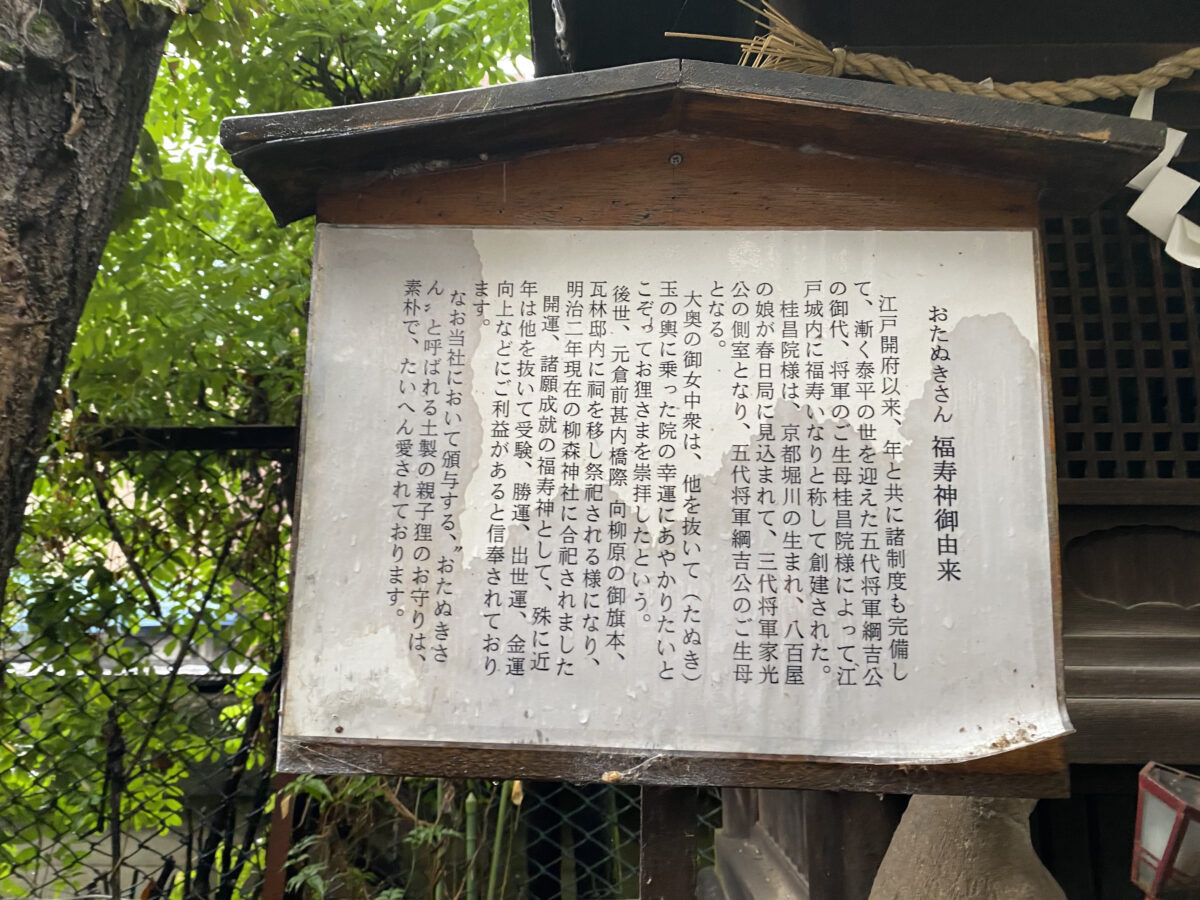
(1076, 158)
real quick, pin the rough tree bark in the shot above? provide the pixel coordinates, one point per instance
(75, 81)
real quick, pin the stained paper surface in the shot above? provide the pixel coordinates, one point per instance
(767, 492)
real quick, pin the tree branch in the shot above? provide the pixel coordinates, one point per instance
(118, 537)
(184, 646)
(236, 766)
(216, 240)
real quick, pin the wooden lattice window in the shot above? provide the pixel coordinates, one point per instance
(1125, 340)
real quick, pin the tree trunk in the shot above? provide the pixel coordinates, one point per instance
(75, 82)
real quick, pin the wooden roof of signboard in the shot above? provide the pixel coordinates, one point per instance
(1076, 158)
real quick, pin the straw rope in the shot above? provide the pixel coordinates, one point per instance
(786, 48)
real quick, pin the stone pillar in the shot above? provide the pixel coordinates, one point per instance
(964, 848)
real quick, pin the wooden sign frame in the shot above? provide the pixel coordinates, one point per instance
(687, 173)
(674, 181)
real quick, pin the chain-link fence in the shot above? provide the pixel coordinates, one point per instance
(140, 650)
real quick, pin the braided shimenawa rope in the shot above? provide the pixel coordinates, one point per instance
(786, 48)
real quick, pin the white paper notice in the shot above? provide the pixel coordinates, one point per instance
(752, 492)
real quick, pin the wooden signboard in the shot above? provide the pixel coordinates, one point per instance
(679, 459)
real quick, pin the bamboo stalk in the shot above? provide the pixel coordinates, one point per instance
(472, 806)
(494, 869)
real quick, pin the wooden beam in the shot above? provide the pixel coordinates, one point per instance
(138, 439)
(1038, 770)
(279, 840)
(1128, 492)
(1121, 729)
(668, 843)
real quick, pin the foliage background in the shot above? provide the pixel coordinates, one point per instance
(140, 643)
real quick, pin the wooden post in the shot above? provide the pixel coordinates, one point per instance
(847, 835)
(668, 865)
(279, 840)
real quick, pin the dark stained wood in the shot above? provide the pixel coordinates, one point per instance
(1131, 680)
(1035, 771)
(717, 183)
(1116, 730)
(847, 836)
(668, 843)
(781, 814)
(1131, 629)
(739, 811)
(1083, 156)
(1086, 841)
(1105, 566)
(137, 439)
(621, 32)
(291, 156)
(873, 22)
(1006, 139)
(984, 41)
(1128, 492)
(617, 32)
(547, 60)
(827, 20)
(1081, 521)
(1125, 341)
(1059, 831)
